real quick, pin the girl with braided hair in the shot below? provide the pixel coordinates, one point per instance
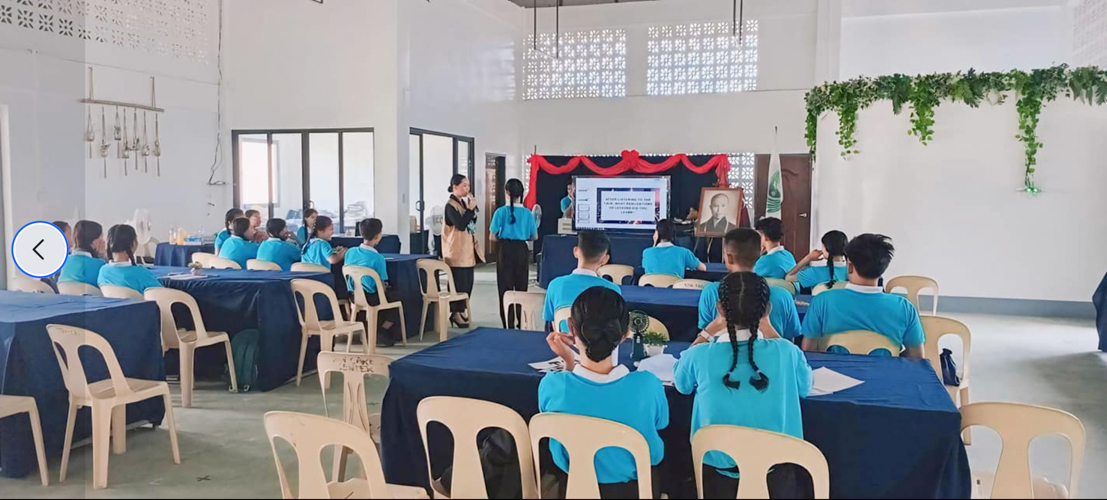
(743, 379)
(122, 270)
(512, 228)
(835, 270)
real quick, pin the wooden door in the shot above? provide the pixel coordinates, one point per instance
(796, 212)
(495, 167)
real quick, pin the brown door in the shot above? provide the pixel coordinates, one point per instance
(796, 212)
(495, 166)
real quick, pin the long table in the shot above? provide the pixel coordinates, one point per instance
(390, 243)
(678, 310)
(557, 253)
(405, 282)
(171, 255)
(1100, 301)
(28, 366)
(895, 436)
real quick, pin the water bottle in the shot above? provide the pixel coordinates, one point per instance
(639, 351)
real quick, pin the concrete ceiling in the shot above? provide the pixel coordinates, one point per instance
(568, 3)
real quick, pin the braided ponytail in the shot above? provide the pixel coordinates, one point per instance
(759, 380)
(725, 294)
(745, 300)
(514, 192)
(835, 244)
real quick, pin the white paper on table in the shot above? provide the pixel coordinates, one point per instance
(827, 382)
(187, 277)
(662, 366)
(554, 365)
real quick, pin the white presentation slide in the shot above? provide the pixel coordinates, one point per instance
(621, 203)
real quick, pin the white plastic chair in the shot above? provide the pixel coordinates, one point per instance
(354, 369)
(355, 274)
(862, 342)
(690, 284)
(261, 265)
(756, 452)
(617, 272)
(528, 308)
(304, 267)
(120, 292)
(937, 327)
(203, 259)
(309, 435)
(787, 285)
(914, 286)
(1018, 425)
(221, 263)
(433, 297)
(108, 399)
(582, 437)
(15, 405)
(658, 280)
(188, 341)
(312, 326)
(561, 319)
(824, 287)
(466, 418)
(30, 285)
(78, 289)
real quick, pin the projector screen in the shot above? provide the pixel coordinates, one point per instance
(620, 203)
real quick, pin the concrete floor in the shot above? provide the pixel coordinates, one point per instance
(225, 452)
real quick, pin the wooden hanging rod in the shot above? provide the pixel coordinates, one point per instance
(123, 105)
(153, 106)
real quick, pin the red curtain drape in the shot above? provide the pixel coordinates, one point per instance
(631, 162)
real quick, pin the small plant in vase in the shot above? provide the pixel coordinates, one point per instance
(195, 268)
(655, 343)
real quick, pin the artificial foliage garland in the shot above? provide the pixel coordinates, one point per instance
(924, 93)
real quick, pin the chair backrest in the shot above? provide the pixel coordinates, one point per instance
(309, 435)
(561, 319)
(355, 274)
(78, 289)
(202, 258)
(354, 368)
(531, 306)
(304, 267)
(657, 326)
(221, 263)
(165, 298)
(824, 287)
(658, 280)
(1018, 425)
(466, 418)
(756, 452)
(690, 284)
(262, 265)
(862, 342)
(30, 285)
(936, 327)
(430, 268)
(787, 285)
(914, 285)
(307, 290)
(70, 340)
(617, 272)
(582, 437)
(120, 292)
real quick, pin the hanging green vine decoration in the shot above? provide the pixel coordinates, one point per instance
(924, 93)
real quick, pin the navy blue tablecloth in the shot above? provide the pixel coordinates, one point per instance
(714, 272)
(557, 253)
(28, 366)
(895, 436)
(404, 281)
(390, 243)
(677, 309)
(1100, 301)
(232, 301)
(179, 255)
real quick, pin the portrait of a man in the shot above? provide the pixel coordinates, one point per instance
(720, 209)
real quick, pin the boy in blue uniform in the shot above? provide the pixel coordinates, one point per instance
(122, 271)
(742, 249)
(83, 266)
(777, 261)
(366, 255)
(240, 247)
(863, 305)
(277, 249)
(567, 201)
(599, 387)
(666, 258)
(592, 254)
(224, 235)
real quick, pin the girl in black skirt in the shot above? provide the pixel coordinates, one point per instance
(512, 227)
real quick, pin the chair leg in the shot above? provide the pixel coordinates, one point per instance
(119, 429)
(443, 320)
(101, 439)
(172, 421)
(371, 330)
(423, 319)
(70, 422)
(230, 366)
(403, 326)
(303, 357)
(188, 374)
(341, 458)
(40, 448)
(967, 436)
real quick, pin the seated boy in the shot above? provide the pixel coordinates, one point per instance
(777, 260)
(592, 254)
(741, 252)
(863, 305)
(367, 255)
(666, 258)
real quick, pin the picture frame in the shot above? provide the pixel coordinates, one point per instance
(720, 211)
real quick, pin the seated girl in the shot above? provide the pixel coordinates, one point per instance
(763, 392)
(666, 258)
(223, 235)
(122, 270)
(601, 388)
(835, 271)
(240, 247)
(83, 266)
(318, 250)
(279, 248)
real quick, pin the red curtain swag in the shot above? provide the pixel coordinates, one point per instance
(631, 162)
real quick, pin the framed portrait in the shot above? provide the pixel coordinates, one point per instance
(720, 211)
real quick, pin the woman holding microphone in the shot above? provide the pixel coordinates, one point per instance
(513, 226)
(459, 243)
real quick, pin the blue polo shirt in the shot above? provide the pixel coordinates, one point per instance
(82, 267)
(220, 239)
(814, 276)
(784, 317)
(563, 291)
(317, 252)
(523, 228)
(302, 235)
(127, 275)
(238, 250)
(279, 252)
(367, 256)
(566, 202)
(775, 264)
(701, 369)
(636, 400)
(667, 258)
(864, 308)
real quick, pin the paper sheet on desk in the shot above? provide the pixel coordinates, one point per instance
(186, 277)
(554, 365)
(827, 382)
(662, 366)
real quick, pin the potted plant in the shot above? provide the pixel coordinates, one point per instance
(655, 343)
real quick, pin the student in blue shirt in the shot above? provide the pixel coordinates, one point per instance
(277, 249)
(240, 247)
(599, 387)
(834, 253)
(122, 270)
(863, 305)
(567, 201)
(260, 234)
(303, 235)
(228, 219)
(318, 250)
(512, 228)
(592, 254)
(366, 255)
(665, 257)
(777, 260)
(741, 379)
(741, 251)
(83, 265)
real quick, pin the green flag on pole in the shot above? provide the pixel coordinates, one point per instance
(775, 199)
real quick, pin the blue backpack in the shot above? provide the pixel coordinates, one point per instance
(244, 347)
